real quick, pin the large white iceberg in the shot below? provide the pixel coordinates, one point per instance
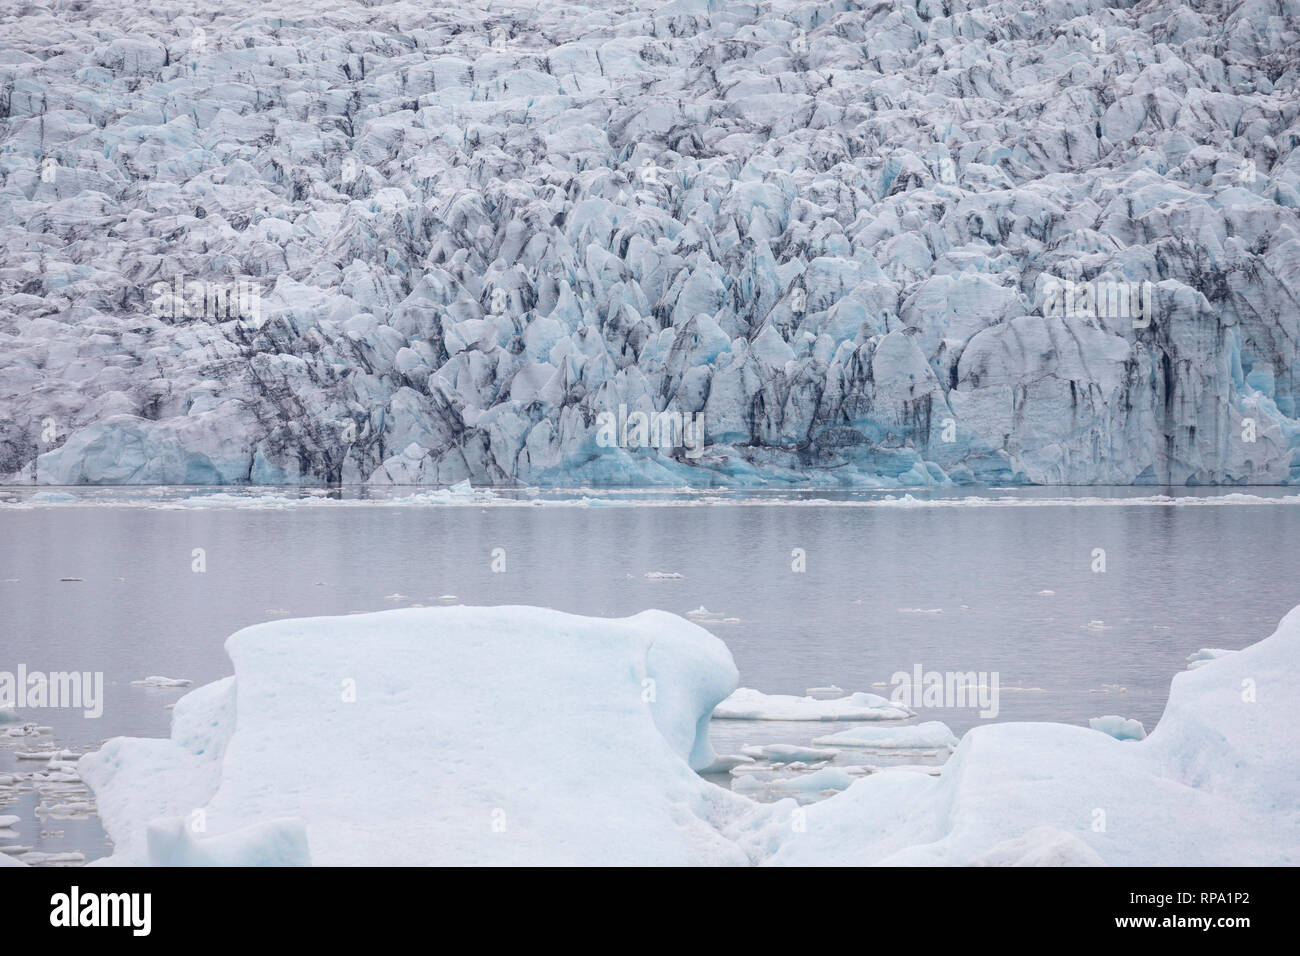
(527, 736)
(1215, 783)
(749, 704)
(440, 735)
(930, 735)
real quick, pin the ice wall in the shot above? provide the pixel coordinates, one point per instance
(414, 244)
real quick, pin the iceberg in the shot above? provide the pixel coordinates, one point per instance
(526, 736)
(818, 781)
(435, 735)
(749, 704)
(788, 753)
(930, 735)
(157, 681)
(1210, 786)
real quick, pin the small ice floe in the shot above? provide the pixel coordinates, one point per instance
(787, 753)
(1121, 728)
(15, 850)
(929, 769)
(72, 579)
(819, 781)
(7, 822)
(664, 576)
(749, 704)
(276, 611)
(1046, 593)
(920, 610)
(46, 755)
(25, 730)
(705, 616)
(1096, 626)
(727, 763)
(163, 682)
(1109, 689)
(448, 597)
(754, 767)
(931, 735)
(1204, 656)
(46, 497)
(395, 596)
(825, 692)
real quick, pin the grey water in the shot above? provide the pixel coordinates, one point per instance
(883, 589)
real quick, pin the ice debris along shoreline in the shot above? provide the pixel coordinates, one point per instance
(830, 230)
(464, 495)
(526, 716)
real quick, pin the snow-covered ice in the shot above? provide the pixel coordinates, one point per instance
(827, 778)
(930, 735)
(545, 737)
(788, 753)
(1209, 786)
(749, 704)
(541, 737)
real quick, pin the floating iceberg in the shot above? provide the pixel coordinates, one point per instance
(549, 738)
(1209, 786)
(541, 738)
(749, 704)
(788, 753)
(826, 778)
(931, 735)
(157, 681)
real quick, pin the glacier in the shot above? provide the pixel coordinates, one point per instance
(394, 244)
(519, 735)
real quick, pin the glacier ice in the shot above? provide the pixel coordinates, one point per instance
(930, 735)
(749, 704)
(521, 715)
(398, 244)
(1209, 786)
(515, 735)
(1121, 728)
